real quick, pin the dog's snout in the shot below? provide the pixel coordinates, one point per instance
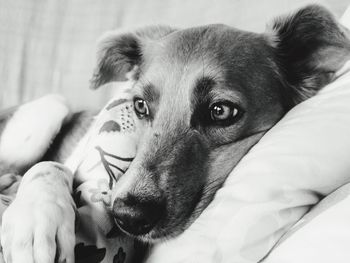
(137, 216)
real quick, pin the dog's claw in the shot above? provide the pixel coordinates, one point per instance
(41, 219)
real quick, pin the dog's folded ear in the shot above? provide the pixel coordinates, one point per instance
(122, 53)
(310, 47)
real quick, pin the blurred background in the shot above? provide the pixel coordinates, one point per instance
(48, 46)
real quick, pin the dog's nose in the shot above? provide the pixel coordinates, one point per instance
(137, 216)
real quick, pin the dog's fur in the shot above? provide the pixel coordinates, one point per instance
(185, 156)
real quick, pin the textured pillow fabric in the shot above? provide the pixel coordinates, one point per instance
(322, 235)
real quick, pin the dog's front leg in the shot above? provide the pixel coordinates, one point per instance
(40, 221)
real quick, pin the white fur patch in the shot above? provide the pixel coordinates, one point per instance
(31, 129)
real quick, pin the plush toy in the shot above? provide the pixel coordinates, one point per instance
(98, 161)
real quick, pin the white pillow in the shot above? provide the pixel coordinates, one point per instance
(323, 235)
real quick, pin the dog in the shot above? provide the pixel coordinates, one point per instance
(205, 95)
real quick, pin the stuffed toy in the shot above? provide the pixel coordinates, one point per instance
(102, 156)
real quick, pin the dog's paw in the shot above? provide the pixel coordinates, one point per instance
(34, 232)
(38, 226)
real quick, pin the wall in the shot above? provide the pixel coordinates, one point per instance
(49, 45)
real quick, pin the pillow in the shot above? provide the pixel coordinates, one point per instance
(322, 235)
(100, 159)
(299, 161)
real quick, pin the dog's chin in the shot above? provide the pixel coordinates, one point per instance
(153, 236)
(158, 234)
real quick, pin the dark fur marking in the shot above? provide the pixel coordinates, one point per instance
(310, 33)
(150, 94)
(122, 52)
(199, 100)
(119, 58)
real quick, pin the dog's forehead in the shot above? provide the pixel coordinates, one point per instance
(211, 41)
(184, 56)
(207, 51)
(191, 43)
(211, 49)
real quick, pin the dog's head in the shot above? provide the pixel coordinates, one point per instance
(206, 96)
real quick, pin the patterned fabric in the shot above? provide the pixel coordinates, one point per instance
(110, 148)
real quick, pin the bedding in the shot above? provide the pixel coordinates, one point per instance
(321, 236)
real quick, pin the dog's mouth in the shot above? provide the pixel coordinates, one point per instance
(143, 228)
(148, 233)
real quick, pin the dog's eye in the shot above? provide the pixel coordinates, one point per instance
(141, 107)
(223, 112)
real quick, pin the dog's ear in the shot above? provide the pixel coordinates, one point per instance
(310, 47)
(122, 53)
